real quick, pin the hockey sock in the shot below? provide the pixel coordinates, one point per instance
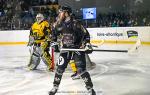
(87, 80)
(58, 76)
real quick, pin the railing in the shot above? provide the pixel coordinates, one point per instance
(18, 25)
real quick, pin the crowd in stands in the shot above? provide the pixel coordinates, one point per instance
(20, 14)
(123, 20)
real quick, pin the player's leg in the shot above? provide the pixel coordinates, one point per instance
(57, 80)
(73, 65)
(81, 65)
(34, 59)
(61, 65)
(46, 58)
(88, 82)
(75, 75)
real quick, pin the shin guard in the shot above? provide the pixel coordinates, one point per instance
(87, 80)
(58, 77)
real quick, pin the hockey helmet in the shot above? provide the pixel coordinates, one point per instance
(66, 8)
(39, 17)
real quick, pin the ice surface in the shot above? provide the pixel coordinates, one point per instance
(115, 73)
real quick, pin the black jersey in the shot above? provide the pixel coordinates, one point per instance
(73, 34)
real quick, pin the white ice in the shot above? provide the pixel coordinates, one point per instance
(115, 73)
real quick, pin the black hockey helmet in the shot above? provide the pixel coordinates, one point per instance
(66, 8)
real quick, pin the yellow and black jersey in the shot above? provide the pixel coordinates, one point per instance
(41, 31)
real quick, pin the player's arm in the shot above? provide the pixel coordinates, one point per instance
(86, 34)
(83, 33)
(47, 32)
(85, 43)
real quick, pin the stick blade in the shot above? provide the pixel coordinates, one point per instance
(135, 46)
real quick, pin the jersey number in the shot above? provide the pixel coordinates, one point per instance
(60, 60)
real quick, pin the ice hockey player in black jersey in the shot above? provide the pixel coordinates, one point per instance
(73, 36)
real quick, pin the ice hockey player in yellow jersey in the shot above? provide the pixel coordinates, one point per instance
(39, 43)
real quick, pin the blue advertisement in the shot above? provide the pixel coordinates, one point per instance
(89, 13)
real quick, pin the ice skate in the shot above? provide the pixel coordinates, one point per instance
(91, 92)
(75, 76)
(53, 91)
(31, 67)
(50, 69)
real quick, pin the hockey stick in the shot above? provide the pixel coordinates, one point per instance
(132, 49)
(102, 50)
(135, 46)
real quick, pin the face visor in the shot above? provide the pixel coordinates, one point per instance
(39, 17)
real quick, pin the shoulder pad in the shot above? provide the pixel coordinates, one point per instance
(46, 23)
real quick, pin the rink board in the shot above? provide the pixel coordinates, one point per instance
(117, 35)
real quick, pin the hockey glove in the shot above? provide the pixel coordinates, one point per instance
(55, 45)
(88, 48)
(31, 41)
